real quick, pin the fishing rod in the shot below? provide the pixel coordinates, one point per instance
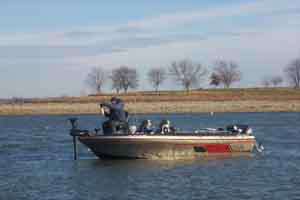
(135, 117)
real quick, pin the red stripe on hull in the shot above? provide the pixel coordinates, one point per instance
(217, 148)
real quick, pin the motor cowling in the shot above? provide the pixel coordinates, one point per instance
(240, 129)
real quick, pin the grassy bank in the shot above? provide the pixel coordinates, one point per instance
(233, 100)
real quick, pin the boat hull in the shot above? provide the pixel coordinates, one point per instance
(167, 147)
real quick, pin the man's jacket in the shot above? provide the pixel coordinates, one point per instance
(117, 112)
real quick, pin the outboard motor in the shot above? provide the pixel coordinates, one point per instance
(239, 129)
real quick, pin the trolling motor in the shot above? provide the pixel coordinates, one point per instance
(75, 132)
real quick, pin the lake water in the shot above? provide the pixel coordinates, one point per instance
(36, 163)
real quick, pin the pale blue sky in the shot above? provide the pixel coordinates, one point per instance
(48, 47)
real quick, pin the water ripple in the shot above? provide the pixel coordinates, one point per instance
(36, 163)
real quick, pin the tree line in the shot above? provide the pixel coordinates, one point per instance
(186, 73)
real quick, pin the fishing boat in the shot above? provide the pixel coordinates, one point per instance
(166, 144)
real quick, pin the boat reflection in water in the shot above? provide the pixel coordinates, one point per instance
(168, 145)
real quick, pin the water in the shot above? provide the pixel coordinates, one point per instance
(36, 163)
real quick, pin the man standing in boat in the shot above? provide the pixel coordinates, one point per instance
(117, 116)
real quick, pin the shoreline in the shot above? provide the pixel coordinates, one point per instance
(172, 107)
(165, 102)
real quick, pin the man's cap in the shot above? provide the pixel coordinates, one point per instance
(114, 99)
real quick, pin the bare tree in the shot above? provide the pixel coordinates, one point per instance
(156, 76)
(124, 78)
(187, 73)
(292, 72)
(266, 81)
(273, 81)
(96, 78)
(116, 81)
(228, 72)
(215, 80)
(276, 80)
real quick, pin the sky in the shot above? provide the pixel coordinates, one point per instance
(48, 47)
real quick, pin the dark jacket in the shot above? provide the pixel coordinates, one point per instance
(117, 112)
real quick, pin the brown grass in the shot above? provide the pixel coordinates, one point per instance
(233, 100)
